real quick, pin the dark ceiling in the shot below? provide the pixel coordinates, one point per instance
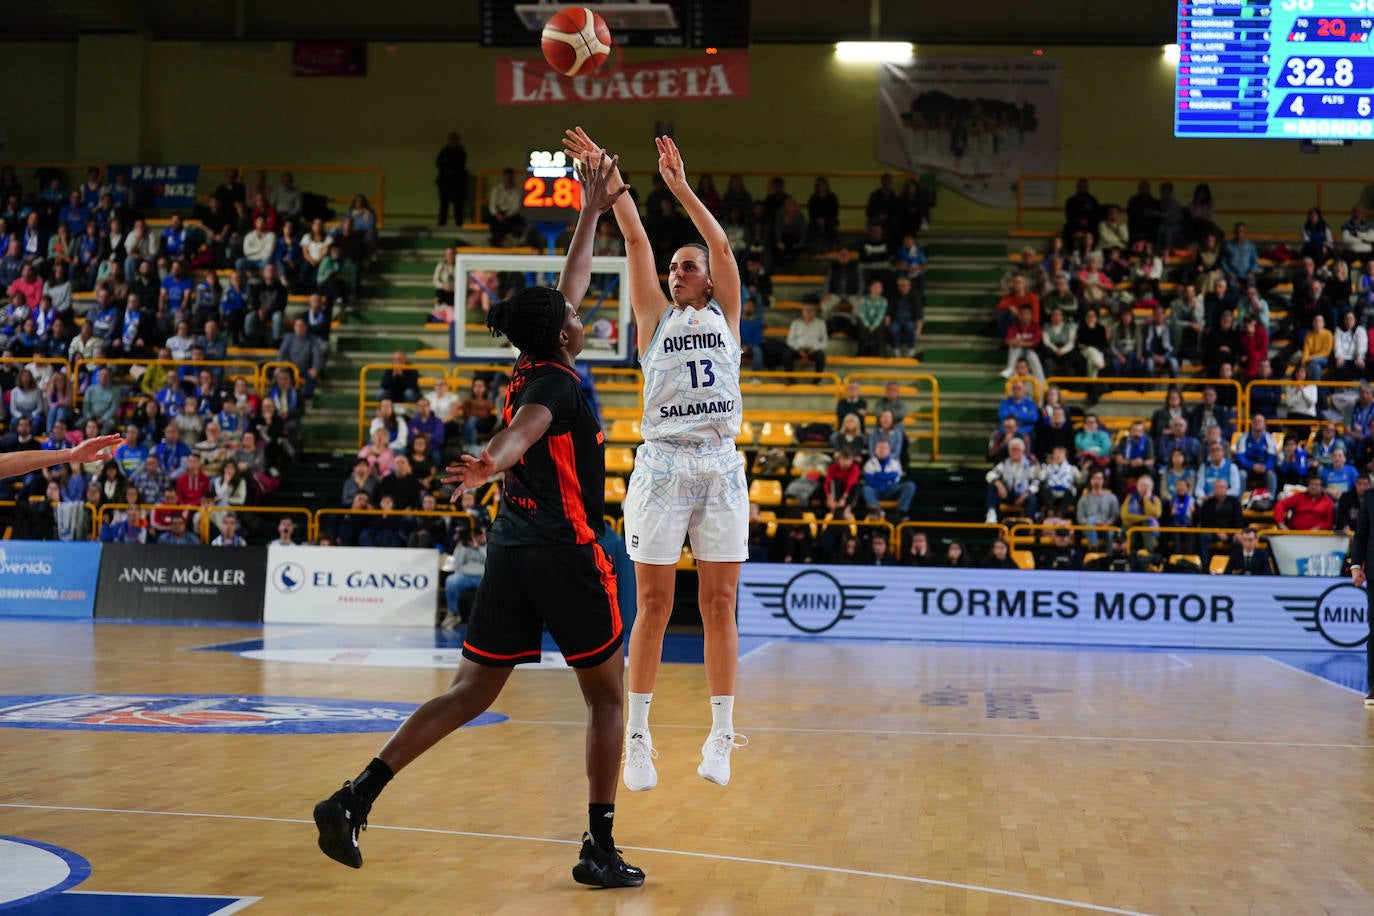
(988, 22)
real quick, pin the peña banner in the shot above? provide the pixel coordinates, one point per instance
(1079, 608)
(979, 123)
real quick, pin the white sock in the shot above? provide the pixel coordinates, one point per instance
(722, 714)
(639, 713)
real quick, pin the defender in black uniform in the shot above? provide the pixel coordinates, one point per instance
(544, 567)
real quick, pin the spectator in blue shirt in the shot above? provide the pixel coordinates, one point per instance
(170, 396)
(1239, 259)
(1265, 399)
(133, 454)
(52, 198)
(1291, 467)
(1258, 455)
(73, 214)
(1339, 477)
(1019, 406)
(131, 529)
(178, 535)
(33, 244)
(751, 336)
(883, 479)
(171, 452)
(176, 287)
(92, 190)
(104, 317)
(120, 191)
(1176, 437)
(12, 264)
(90, 251)
(1362, 415)
(174, 239)
(1215, 468)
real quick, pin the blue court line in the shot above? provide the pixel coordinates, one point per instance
(97, 903)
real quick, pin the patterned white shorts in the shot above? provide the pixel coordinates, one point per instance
(676, 493)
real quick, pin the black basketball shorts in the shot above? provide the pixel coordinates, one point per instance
(569, 588)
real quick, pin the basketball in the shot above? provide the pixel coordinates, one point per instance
(576, 41)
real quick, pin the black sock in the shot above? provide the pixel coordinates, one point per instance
(372, 780)
(602, 819)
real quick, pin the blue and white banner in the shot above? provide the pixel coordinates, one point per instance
(979, 123)
(48, 578)
(1298, 554)
(351, 585)
(1077, 608)
(159, 186)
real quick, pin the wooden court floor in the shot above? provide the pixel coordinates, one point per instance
(879, 778)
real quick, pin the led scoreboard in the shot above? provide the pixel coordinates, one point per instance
(552, 189)
(1289, 69)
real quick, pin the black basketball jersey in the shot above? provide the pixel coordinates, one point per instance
(556, 493)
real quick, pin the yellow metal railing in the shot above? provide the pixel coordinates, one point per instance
(1071, 386)
(931, 416)
(427, 371)
(174, 367)
(206, 519)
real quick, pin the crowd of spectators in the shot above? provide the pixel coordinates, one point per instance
(87, 275)
(1211, 307)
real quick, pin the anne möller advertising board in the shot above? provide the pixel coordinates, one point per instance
(182, 582)
(1083, 608)
(48, 578)
(351, 585)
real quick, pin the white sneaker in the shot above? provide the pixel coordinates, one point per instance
(1005, 373)
(639, 772)
(991, 517)
(715, 756)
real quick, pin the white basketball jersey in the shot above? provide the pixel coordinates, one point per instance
(691, 379)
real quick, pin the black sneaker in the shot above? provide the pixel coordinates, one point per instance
(1369, 698)
(339, 818)
(604, 867)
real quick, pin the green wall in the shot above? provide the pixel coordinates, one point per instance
(806, 112)
(38, 121)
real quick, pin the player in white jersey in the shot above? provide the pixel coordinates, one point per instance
(688, 480)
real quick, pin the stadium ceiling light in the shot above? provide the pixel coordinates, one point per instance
(873, 51)
(1171, 54)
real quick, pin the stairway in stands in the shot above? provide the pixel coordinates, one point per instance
(959, 347)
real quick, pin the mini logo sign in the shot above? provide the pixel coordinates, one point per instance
(288, 578)
(813, 601)
(1340, 614)
(207, 714)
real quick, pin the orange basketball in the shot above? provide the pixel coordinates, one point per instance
(576, 41)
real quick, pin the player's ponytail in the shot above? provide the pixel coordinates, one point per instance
(532, 320)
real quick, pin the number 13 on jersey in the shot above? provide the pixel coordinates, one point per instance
(706, 379)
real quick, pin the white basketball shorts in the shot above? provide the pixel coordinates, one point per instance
(678, 492)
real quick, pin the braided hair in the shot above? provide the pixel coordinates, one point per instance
(532, 320)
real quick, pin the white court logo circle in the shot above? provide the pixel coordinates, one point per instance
(30, 871)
